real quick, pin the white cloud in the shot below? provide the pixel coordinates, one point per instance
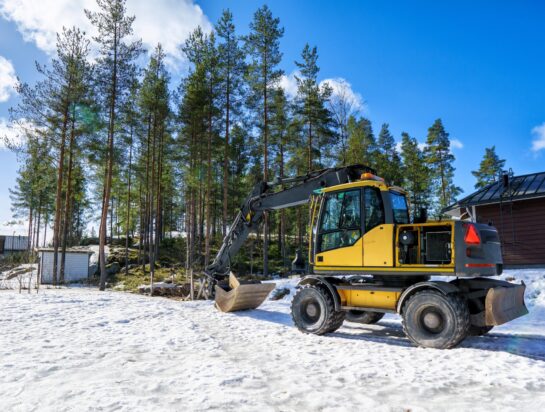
(343, 89)
(539, 142)
(7, 79)
(421, 146)
(13, 134)
(168, 22)
(289, 83)
(456, 144)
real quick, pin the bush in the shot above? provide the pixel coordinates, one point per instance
(116, 241)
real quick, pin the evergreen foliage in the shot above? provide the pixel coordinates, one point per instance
(107, 140)
(441, 163)
(489, 169)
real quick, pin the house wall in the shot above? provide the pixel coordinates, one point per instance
(521, 226)
(76, 267)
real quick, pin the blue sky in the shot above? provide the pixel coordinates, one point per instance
(480, 68)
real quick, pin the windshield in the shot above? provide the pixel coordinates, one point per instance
(399, 208)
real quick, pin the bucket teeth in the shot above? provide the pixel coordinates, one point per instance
(242, 296)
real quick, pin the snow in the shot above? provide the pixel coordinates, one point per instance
(81, 349)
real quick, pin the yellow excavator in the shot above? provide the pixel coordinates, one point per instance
(367, 257)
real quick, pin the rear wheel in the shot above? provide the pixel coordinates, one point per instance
(313, 311)
(434, 320)
(363, 316)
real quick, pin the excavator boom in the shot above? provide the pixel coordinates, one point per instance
(264, 197)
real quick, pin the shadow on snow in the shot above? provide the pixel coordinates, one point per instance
(529, 346)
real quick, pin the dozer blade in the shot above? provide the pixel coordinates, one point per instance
(504, 304)
(242, 296)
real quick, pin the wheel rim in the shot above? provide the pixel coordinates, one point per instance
(311, 311)
(432, 320)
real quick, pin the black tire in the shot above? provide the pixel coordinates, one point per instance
(434, 320)
(475, 330)
(313, 311)
(363, 316)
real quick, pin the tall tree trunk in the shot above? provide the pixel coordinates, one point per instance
(29, 237)
(67, 198)
(309, 147)
(151, 200)
(141, 259)
(159, 211)
(226, 156)
(128, 221)
(37, 243)
(208, 195)
(108, 177)
(58, 197)
(265, 177)
(282, 234)
(45, 227)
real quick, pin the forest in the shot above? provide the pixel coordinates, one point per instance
(110, 141)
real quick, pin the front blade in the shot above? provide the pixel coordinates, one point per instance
(504, 304)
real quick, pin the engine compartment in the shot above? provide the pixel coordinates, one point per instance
(424, 244)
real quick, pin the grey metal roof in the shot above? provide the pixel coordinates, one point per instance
(519, 188)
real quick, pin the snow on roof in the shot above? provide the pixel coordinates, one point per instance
(68, 250)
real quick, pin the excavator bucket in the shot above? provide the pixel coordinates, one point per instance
(242, 295)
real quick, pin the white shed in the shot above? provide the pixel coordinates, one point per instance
(13, 243)
(76, 267)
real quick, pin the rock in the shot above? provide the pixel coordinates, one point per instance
(166, 289)
(279, 293)
(113, 268)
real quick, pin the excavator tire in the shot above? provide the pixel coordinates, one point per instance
(313, 311)
(242, 296)
(363, 316)
(432, 319)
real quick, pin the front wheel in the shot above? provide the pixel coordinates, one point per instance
(313, 311)
(434, 320)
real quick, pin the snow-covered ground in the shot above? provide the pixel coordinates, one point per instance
(80, 349)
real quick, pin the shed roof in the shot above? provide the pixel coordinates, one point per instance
(68, 250)
(518, 188)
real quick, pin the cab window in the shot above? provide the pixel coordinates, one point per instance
(399, 208)
(374, 208)
(341, 220)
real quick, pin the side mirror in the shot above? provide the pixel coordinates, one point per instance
(421, 216)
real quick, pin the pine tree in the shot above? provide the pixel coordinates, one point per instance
(441, 163)
(417, 180)
(263, 46)
(343, 107)
(115, 72)
(361, 144)
(489, 169)
(50, 107)
(231, 66)
(311, 105)
(198, 113)
(282, 139)
(154, 106)
(388, 162)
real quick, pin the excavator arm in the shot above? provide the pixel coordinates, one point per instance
(264, 197)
